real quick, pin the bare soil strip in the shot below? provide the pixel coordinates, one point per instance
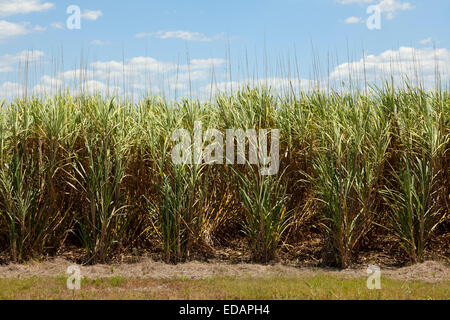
(430, 271)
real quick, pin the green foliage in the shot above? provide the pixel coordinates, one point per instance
(417, 186)
(101, 170)
(267, 218)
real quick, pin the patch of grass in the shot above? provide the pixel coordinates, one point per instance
(277, 288)
(116, 281)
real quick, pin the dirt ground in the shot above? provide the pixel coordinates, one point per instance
(430, 271)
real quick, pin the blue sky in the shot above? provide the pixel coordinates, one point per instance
(139, 45)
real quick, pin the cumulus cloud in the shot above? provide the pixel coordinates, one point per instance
(100, 42)
(417, 65)
(388, 7)
(152, 65)
(13, 7)
(11, 29)
(205, 63)
(134, 65)
(10, 90)
(9, 61)
(91, 14)
(354, 1)
(57, 25)
(181, 34)
(107, 76)
(143, 73)
(278, 84)
(49, 86)
(426, 41)
(352, 20)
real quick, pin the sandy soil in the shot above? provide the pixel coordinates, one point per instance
(429, 271)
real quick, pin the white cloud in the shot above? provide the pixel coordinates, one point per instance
(13, 7)
(134, 73)
(417, 65)
(352, 20)
(134, 65)
(100, 43)
(8, 61)
(49, 86)
(10, 90)
(142, 74)
(354, 1)
(180, 34)
(57, 25)
(388, 7)
(10, 29)
(426, 41)
(148, 64)
(91, 14)
(185, 77)
(94, 86)
(206, 63)
(279, 84)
